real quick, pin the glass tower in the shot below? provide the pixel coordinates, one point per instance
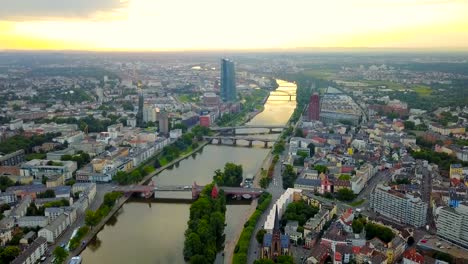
(228, 81)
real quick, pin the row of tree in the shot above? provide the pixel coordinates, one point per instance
(18, 142)
(204, 236)
(231, 176)
(289, 176)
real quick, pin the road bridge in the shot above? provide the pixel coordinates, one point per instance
(148, 190)
(233, 140)
(232, 129)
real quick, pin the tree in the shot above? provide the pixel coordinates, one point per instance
(231, 176)
(5, 182)
(259, 236)
(60, 255)
(91, 218)
(409, 125)
(299, 132)
(321, 168)
(357, 226)
(9, 253)
(345, 194)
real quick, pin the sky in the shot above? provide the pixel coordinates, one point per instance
(167, 25)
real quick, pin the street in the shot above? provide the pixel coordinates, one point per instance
(276, 190)
(101, 190)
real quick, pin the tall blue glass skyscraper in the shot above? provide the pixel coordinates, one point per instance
(228, 81)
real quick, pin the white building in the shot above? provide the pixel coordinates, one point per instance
(175, 133)
(33, 253)
(32, 221)
(39, 168)
(52, 231)
(281, 204)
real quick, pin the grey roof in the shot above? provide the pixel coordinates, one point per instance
(309, 182)
(56, 223)
(30, 250)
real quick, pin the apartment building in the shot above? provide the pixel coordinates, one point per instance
(452, 224)
(405, 208)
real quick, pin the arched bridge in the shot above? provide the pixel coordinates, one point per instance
(232, 130)
(148, 190)
(233, 140)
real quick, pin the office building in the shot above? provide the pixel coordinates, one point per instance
(228, 81)
(404, 208)
(452, 224)
(314, 108)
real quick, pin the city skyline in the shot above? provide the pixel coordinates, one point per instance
(116, 25)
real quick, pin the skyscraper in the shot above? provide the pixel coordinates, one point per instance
(314, 107)
(139, 115)
(228, 81)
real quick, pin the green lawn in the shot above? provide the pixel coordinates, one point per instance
(423, 90)
(387, 84)
(320, 74)
(357, 203)
(187, 98)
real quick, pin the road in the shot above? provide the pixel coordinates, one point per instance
(276, 190)
(101, 190)
(379, 177)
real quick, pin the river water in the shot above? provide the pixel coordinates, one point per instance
(143, 232)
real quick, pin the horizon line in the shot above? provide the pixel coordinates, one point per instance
(214, 50)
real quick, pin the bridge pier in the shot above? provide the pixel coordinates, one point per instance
(250, 143)
(266, 144)
(234, 141)
(220, 141)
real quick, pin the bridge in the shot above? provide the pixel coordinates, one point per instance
(233, 140)
(232, 130)
(285, 93)
(148, 190)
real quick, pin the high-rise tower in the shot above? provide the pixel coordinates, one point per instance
(314, 108)
(139, 116)
(228, 81)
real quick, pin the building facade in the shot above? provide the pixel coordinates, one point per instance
(452, 224)
(404, 208)
(228, 81)
(314, 108)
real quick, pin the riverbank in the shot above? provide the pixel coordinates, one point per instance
(95, 230)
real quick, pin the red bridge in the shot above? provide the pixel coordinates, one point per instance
(148, 190)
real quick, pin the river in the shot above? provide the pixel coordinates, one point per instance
(143, 232)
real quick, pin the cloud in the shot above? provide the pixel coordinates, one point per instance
(19, 10)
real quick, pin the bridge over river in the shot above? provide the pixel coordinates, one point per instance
(149, 190)
(233, 140)
(232, 129)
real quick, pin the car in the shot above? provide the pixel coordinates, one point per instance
(42, 259)
(63, 245)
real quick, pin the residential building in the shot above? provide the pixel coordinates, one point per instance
(411, 256)
(452, 224)
(8, 197)
(445, 131)
(175, 133)
(55, 181)
(405, 208)
(13, 158)
(32, 221)
(33, 252)
(456, 171)
(53, 230)
(139, 116)
(20, 210)
(291, 230)
(53, 212)
(228, 81)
